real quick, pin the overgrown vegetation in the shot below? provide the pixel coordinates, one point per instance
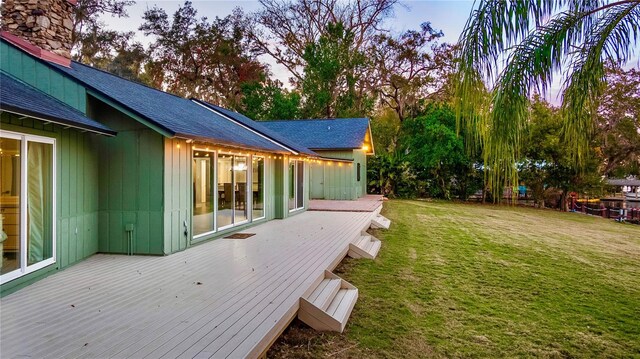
(460, 280)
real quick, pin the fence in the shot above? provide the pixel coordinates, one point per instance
(619, 214)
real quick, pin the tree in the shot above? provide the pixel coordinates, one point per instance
(193, 57)
(547, 164)
(333, 70)
(618, 123)
(409, 68)
(385, 126)
(89, 36)
(538, 38)
(284, 28)
(437, 154)
(267, 100)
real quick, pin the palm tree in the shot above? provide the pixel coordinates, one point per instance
(538, 39)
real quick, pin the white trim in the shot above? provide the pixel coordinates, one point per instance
(226, 227)
(246, 127)
(373, 149)
(203, 234)
(24, 267)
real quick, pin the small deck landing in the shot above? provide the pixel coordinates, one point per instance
(368, 203)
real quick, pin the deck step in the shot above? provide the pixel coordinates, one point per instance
(329, 305)
(325, 292)
(380, 221)
(364, 246)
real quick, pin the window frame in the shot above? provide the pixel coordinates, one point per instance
(264, 187)
(214, 161)
(295, 185)
(248, 195)
(24, 267)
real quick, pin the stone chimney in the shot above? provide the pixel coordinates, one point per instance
(46, 24)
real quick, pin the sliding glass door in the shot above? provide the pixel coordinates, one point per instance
(27, 207)
(225, 190)
(296, 185)
(228, 190)
(203, 192)
(240, 213)
(257, 187)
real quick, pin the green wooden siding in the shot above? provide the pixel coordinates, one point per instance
(178, 189)
(279, 189)
(130, 185)
(42, 77)
(77, 199)
(359, 156)
(340, 181)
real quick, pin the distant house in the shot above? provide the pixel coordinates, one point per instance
(92, 162)
(346, 140)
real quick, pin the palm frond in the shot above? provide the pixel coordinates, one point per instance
(610, 39)
(530, 67)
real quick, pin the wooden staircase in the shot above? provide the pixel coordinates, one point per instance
(379, 221)
(364, 246)
(329, 305)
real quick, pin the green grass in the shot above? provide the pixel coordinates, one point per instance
(459, 280)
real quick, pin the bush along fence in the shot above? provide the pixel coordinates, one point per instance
(631, 215)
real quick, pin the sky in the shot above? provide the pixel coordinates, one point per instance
(449, 16)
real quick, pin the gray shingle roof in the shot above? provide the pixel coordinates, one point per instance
(323, 134)
(19, 97)
(260, 128)
(176, 115)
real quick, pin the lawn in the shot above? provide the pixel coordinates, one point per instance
(464, 280)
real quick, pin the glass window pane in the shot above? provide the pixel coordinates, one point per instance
(10, 204)
(225, 190)
(300, 184)
(257, 186)
(39, 202)
(292, 185)
(203, 195)
(240, 169)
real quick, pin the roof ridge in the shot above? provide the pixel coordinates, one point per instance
(317, 119)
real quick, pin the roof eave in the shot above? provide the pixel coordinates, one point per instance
(56, 120)
(263, 135)
(216, 142)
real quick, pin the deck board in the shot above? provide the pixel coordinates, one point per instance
(153, 307)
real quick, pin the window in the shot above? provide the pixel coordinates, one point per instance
(257, 187)
(358, 173)
(27, 239)
(296, 185)
(226, 191)
(232, 190)
(203, 194)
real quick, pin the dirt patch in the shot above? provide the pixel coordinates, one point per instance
(413, 254)
(301, 341)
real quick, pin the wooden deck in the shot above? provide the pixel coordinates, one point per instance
(368, 203)
(224, 298)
